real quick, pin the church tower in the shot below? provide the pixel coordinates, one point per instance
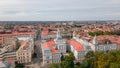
(60, 42)
(74, 33)
(95, 40)
(58, 34)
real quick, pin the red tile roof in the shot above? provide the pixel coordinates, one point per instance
(50, 45)
(45, 32)
(24, 45)
(17, 33)
(11, 60)
(76, 45)
(115, 39)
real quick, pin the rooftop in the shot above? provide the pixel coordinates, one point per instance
(50, 45)
(24, 45)
(17, 33)
(76, 45)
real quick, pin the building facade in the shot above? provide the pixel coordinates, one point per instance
(53, 50)
(18, 48)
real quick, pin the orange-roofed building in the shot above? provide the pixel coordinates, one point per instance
(11, 60)
(25, 50)
(52, 50)
(115, 40)
(44, 32)
(77, 46)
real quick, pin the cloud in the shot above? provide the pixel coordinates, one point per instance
(59, 9)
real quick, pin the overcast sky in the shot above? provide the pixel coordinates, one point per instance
(56, 10)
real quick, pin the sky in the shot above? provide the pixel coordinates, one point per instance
(59, 10)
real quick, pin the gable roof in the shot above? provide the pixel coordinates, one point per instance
(76, 45)
(50, 45)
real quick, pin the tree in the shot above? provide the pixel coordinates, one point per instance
(18, 65)
(86, 64)
(62, 64)
(90, 54)
(62, 57)
(54, 65)
(69, 61)
(70, 57)
(116, 32)
(34, 55)
(114, 65)
(66, 62)
(89, 60)
(107, 33)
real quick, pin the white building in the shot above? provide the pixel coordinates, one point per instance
(78, 48)
(102, 47)
(52, 49)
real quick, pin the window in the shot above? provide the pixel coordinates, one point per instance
(47, 61)
(47, 57)
(27, 53)
(101, 47)
(23, 56)
(18, 57)
(113, 46)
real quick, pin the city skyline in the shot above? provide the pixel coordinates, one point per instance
(59, 10)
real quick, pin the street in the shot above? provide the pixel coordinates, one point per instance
(38, 49)
(37, 62)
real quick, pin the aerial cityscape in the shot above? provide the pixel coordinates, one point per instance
(59, 34)
(41, 45)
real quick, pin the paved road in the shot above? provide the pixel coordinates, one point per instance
(38, 49)
(37, 62)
